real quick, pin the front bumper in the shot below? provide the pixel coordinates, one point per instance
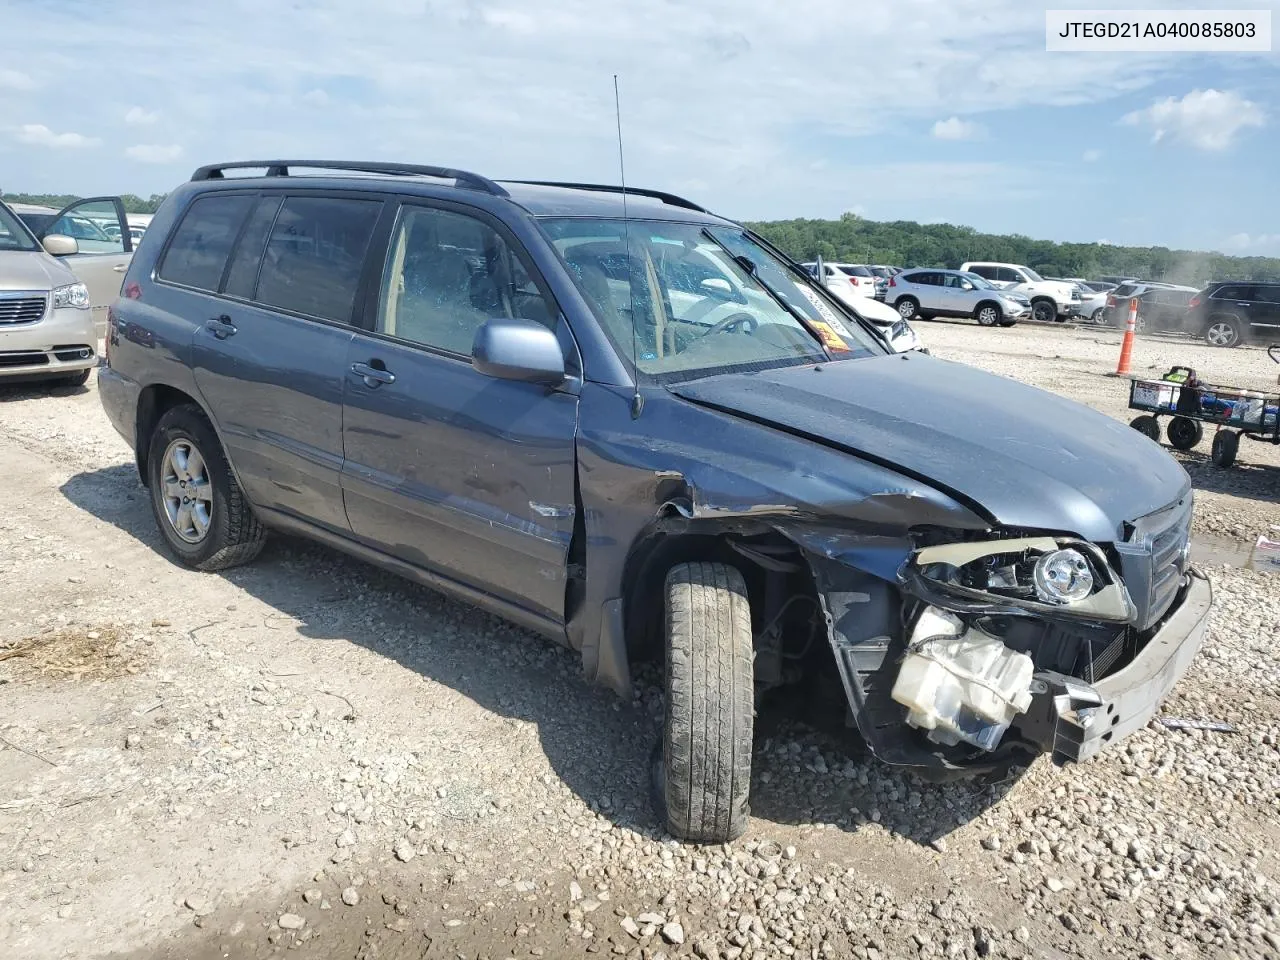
(63, 342)
(1076, 720)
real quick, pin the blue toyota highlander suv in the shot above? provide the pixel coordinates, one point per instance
(637, 428)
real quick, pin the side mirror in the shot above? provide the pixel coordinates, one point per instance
(518, 350)
(966, 285)
(60, 246)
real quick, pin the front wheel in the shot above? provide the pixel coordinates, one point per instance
(706, 745)
(1147, 425)
(1184, 433)
(988, 314)
(1226, 444)
(198, 505)
(1044, 311)
(907, 308)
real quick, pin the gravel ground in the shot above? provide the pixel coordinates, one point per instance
(308, 756)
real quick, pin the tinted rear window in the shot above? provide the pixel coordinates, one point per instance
(856, 271)
(313, 260)
(198, 252)
(243, 276)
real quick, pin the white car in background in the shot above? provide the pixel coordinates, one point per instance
(46, 330)
(1050, 299)
(901, 335)
(99, 245)
(846, 276)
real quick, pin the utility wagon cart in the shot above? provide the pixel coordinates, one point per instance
(1234, 412)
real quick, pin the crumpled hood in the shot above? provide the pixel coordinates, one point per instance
(1024, 457)
(32, 270)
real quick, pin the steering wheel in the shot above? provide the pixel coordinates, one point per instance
(728, 323)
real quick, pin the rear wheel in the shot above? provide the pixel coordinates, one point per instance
(1184, 433)
(1099, 316)
(705, 775)
(198, 505)
(1226, 444)
(988, 314)
(1223, 331)
(907, 307)
(1147, 425)
(1045, 311)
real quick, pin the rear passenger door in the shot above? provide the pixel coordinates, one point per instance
(929, 289)
(275, 319)
(447, 468)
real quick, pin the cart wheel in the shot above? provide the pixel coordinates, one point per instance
(1184, 433)
(1147, 425)
(1225, 446)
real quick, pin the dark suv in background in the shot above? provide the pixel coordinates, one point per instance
(635, 427)
(1231, 312)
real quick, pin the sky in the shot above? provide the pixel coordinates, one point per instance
(928, 110)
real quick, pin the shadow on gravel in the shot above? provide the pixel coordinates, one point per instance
(1254, 481)
(16, 392)
(599, 746)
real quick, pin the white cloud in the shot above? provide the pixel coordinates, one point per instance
(38, 135)
(1247, 243)
(1206, 119)
(154, 152)
(956, 129)
(1091, 156)
(138, 117)
(15, 80)
(316, 97)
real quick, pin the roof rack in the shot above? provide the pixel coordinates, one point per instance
(280, 168)
(670, 198)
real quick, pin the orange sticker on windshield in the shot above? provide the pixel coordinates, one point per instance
(830, 339)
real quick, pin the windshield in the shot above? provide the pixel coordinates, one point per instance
(13, 235)
(1031, 274)
(978, 282)
(700, 300)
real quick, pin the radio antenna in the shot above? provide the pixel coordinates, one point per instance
(637, 401)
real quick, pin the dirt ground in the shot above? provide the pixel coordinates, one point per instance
(308, 757)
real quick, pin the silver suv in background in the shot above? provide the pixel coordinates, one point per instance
(46, 328)
(953, 293)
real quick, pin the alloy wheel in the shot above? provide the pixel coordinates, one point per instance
(187, 490)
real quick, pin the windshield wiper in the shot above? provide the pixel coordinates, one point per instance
(747, 264)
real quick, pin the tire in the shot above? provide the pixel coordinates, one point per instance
(706, 743)
(1184, 433)
(1226, 444)
(907, 307)
(74, 379)
(1044, 311)
(1098, 316)
(1147, 425)
(1224, 331)
(219, 529)
(988, 315)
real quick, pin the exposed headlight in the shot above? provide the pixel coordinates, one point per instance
(1063, 577)
(1051, 576)
(71, 295)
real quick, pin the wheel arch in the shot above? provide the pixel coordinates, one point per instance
(154, 401)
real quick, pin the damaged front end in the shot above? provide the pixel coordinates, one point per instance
(964, 655)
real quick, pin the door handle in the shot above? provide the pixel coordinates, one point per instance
(372, 376)
(120, 267)
(221, 327)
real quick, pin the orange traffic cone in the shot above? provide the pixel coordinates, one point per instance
(1126, 348)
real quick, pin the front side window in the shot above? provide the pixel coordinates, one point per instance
(1005, 275)
(94, 224)
(313, 259)
(198, 252)
(747, 309)
(1029, 274)
(13, 234)
(449, 273)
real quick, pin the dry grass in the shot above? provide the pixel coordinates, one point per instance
(73, 653)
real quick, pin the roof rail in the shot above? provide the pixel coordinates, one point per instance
(670, 198)
(280, 168)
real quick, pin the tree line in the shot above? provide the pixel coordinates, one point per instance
(903, 243)
(132, 203)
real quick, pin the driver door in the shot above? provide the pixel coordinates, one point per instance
(100, 229)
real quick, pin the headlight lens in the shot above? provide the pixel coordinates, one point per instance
(1063, 577)
(71, 295)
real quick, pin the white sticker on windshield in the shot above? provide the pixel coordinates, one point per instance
(828, 314)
